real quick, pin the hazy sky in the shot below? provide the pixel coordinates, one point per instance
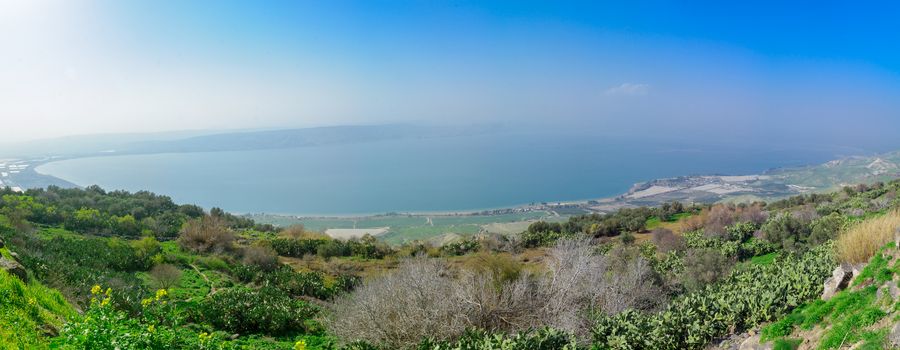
(741, 69)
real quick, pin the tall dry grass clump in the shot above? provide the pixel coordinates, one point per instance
(862, 240)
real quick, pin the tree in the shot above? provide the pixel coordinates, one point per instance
(86, 220)
(786, 231)
(126, 226)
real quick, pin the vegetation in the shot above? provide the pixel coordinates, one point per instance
(672, 277)
(862, 240)
(851, 316)
(27, 311)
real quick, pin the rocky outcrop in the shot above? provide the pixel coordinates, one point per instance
(14, 268)
(894, 336)
(753, 343)
(839, 279)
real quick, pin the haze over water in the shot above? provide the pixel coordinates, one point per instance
(424, 175)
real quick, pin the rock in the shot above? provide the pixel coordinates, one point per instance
(14, 268)
(894, 336)
(839, 279)
(896, 238)
(888, 288)
(752, 343)
(15, 256)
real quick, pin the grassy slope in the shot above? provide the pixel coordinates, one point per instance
(29, 312)
(858, 316)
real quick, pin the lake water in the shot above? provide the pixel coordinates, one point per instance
(421, 175)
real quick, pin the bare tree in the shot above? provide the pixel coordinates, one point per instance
(402, 308)
(165, 275)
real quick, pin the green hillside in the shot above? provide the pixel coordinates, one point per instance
(138, 271)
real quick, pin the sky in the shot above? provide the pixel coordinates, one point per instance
(818, 72)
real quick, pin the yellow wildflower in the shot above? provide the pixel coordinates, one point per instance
(146, 302)
(300, 345)
(161, 293)
(108, 291)
(104, 302)
(96, 289)
(151, 328)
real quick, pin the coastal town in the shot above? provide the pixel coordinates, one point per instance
(21, 174)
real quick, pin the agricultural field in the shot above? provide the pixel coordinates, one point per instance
(398, 229)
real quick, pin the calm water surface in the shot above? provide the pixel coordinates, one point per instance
(444, 174)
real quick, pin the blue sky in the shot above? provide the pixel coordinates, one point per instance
(819, 72)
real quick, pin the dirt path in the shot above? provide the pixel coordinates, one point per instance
(212, 288)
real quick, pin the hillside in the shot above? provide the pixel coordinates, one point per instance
(142, 272)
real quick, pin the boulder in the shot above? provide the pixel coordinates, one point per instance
(840, 279)
(14, 268)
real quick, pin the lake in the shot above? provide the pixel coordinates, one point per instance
(422, 175)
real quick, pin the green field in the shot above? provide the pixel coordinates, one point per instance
(404, 228)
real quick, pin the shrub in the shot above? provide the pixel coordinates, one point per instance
(746, 298)
(786, 231)
(267, 310)
(423, 299)
(861, 241)
(263, 257)
(461, 247)
(73, 265)
(667, 241)
(501, 268)
(543, 339)
(826, 228)
(209, 234)
(333, 248)
(400, 309)
(704, 266)
(159, 328)
(165, 275)
(296, 248)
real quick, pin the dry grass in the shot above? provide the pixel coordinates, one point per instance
(861, 241)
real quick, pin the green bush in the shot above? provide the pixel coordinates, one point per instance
(296, 248)
(159, 327)
(748, 297)
(461, 247)
(544, 339)
(267, 310)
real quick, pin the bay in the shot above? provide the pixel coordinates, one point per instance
(423, 174)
